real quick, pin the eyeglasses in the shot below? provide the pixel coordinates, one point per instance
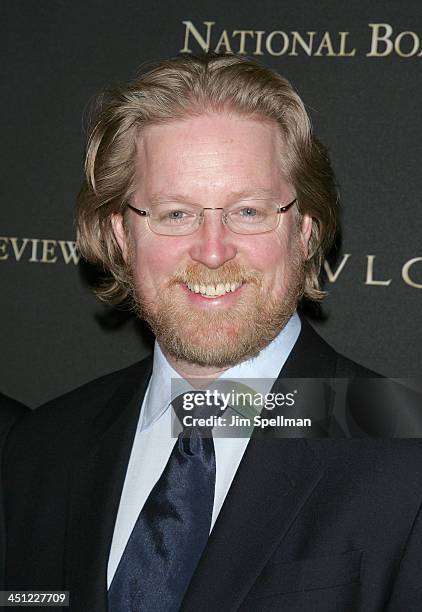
(253, 216)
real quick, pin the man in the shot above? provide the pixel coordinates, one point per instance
(10, 411)
(210, 205)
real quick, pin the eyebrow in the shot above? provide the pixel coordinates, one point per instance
(244, 194)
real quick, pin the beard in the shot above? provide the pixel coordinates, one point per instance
(225, 337)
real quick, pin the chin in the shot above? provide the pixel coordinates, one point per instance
(218, 339)
(224, 352)
(219, 347)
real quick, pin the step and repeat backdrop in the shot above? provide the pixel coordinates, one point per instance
(358, 67)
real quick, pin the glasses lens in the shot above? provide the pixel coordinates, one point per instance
(174, 218)
(253, 217)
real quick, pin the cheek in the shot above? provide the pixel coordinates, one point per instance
(155, 260)
(271, 255)
(277, 259)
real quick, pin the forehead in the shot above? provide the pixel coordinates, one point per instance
(212, 152)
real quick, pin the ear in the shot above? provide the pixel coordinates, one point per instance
(120, 233)
(305, 233)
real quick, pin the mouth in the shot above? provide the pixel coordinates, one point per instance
(213, 291)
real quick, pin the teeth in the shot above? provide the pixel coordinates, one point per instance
(213, 290)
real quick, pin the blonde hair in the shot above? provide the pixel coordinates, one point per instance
(187, 86)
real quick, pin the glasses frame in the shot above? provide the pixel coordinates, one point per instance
(145, 212)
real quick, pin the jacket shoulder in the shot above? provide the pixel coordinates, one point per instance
(313, 357)
(79, 407)
(99, 387)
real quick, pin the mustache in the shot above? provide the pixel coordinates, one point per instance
(230, 272)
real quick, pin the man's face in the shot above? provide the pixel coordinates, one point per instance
(213, 160)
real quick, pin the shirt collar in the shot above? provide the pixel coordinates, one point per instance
(266, 366)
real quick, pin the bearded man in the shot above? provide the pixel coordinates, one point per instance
(210, 205)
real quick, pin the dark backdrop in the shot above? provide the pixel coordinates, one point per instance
(363, 91)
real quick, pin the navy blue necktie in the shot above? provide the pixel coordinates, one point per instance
(171, 531)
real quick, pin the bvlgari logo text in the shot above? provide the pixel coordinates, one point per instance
(411, 272)
(48, 251)
(383, 41)
(38, 250)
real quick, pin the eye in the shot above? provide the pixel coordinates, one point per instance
(168, 214)
(248, 212)
(176, 215)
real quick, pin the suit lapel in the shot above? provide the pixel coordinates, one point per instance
(273, 482)
(96, 487)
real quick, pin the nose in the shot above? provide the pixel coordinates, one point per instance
(213, 244)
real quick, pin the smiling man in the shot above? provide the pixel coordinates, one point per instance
(210, 206)
(219, 240)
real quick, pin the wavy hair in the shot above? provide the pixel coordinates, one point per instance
(186, 86)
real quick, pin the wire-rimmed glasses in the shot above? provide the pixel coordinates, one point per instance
(254, 216)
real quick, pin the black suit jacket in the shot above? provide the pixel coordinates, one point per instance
(10, 411)
(308, 524)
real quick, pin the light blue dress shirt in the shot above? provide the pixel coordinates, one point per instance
(154, 442)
